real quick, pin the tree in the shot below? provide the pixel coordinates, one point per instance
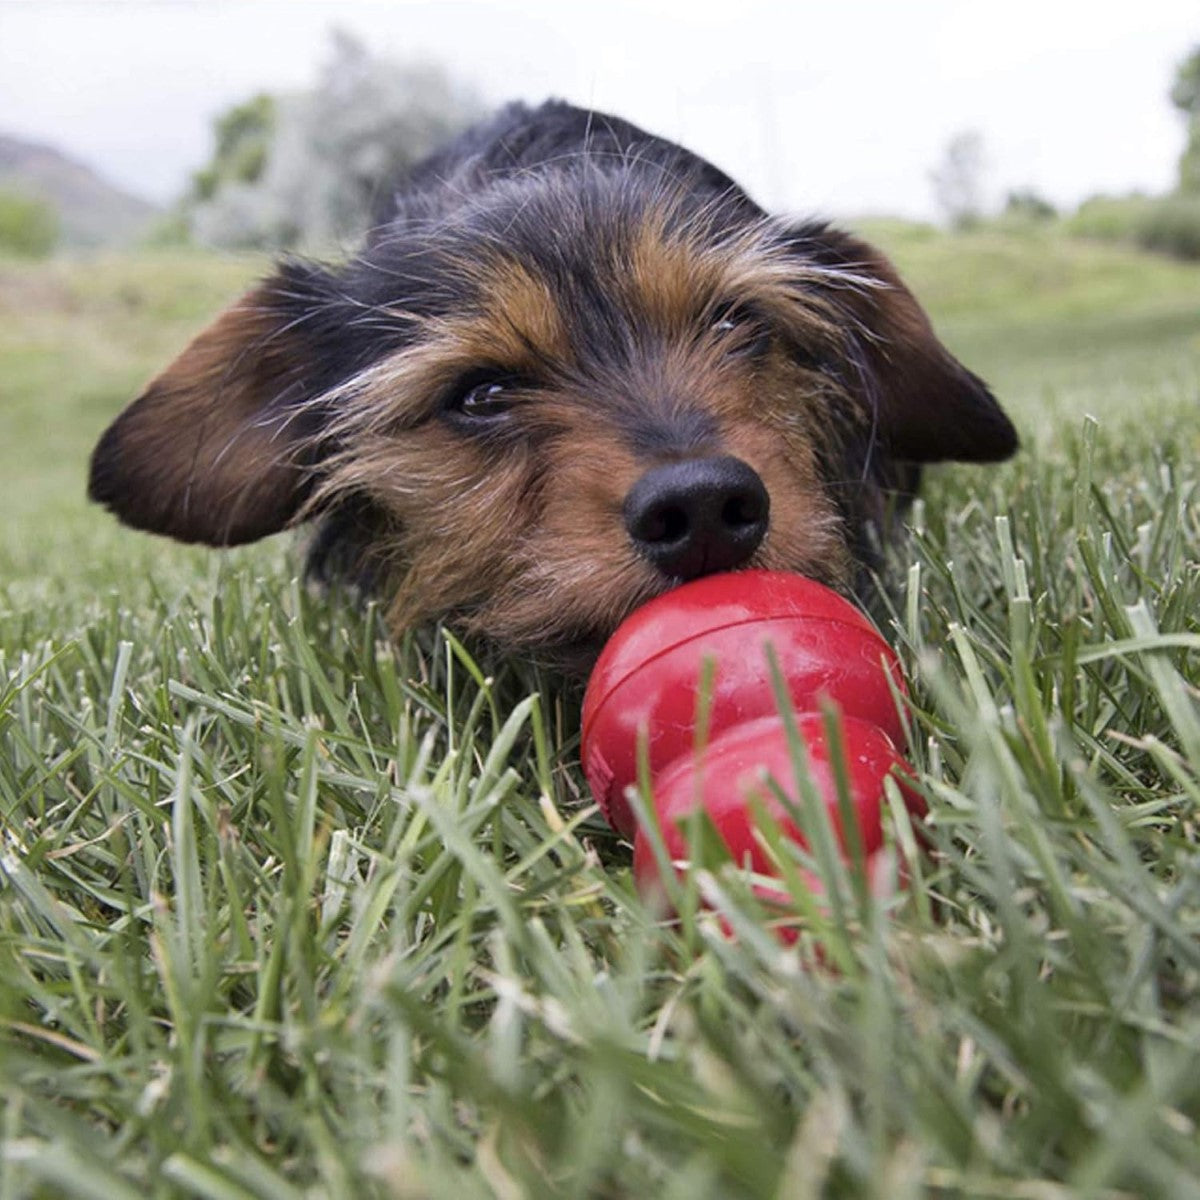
(307, 170)
(1185, 95)
(243, 142)
(958, 179)
(1027, 204)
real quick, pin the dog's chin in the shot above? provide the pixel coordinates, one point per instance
(569, 658)
(572, 659)
(563, 635)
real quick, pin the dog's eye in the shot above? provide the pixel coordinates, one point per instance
(485, 400)
(483, 397)
(741, 330)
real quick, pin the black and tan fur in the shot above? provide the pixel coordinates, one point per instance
(555, 307)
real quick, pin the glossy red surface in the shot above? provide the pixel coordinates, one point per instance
(731, 776)
(648, 676)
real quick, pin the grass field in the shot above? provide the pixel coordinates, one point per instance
(285, 912)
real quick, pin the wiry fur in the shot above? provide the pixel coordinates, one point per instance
(636, 307)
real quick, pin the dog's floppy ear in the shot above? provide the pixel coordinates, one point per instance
(219, 448)
(928, 406)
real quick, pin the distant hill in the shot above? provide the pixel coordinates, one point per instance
(91, 211)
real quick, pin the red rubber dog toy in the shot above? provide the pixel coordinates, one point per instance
(647, 683)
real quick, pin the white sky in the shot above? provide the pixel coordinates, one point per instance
(834, 106)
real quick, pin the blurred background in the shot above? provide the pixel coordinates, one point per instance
(253, 121)
(1033, 167)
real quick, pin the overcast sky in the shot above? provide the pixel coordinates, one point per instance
(835, 106)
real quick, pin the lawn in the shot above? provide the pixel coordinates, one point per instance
(287, 912)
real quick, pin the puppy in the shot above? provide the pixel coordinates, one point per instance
(572, 366)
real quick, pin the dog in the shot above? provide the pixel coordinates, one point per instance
(572, 366)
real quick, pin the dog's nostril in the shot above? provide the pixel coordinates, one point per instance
(697, 516)
(743, 509)
(665, 523)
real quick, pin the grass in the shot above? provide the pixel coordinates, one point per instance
(288, 912)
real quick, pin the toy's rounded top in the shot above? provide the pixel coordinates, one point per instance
(648, 684)
(708, 604)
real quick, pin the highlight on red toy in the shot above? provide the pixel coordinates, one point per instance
(712, 635)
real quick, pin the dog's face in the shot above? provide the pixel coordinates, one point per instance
(559, 400)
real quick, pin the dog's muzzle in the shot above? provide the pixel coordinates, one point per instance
(698, 516)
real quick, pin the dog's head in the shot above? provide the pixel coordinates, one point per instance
(534, 410)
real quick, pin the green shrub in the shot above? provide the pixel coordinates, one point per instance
(28, 226)
(1172, 225)
(171, 230)
(1167, 224)
(1110, 218)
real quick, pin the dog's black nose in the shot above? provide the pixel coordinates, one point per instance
(698, 516)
